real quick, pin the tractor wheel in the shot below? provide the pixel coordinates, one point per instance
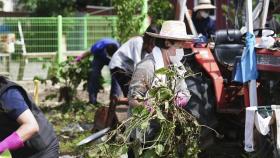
(201, 105)
(264, 146)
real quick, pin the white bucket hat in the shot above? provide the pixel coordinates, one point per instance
(173, 29)
(204, 4)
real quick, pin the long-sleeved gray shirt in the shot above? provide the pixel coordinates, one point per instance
(143, 78)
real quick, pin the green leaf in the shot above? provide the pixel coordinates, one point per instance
(160, 115)
(164, 93)
(150, 154)
(159, 149)
(122, 150)
(162, 71)
(153, 91)
(139, 111)
(144, 125)
(165, 71)
(44, 66)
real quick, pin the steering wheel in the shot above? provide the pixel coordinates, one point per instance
(259, 32)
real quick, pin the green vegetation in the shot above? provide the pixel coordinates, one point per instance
(62, 7)
(129, 21)
(61, 117)
(131, 17)
(69, 74)
(5, 155)
(176, 133)
(160, 10)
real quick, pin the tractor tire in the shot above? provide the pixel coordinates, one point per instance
(264, 146)
(201, 105)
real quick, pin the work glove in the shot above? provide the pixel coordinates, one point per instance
(181, 99)
(78, 58)
(12, 142)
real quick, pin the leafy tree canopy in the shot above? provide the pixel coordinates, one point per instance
(57, 7)
(130, 15)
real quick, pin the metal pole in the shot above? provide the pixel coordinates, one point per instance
(85, 32)
(59, 39)
(189, 20)
(182, 4)
(252, 83)
(264, 13)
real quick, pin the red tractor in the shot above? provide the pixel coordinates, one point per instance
(219, 102)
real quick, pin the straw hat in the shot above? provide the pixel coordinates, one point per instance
(173, 29)
(204, 4)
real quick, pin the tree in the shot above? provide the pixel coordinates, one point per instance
(130, 15)
(129, 19)
(160, 10)
(57, 7)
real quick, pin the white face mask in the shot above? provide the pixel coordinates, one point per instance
(204, 14)
(178, 57)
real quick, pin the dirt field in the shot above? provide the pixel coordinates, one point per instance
(72, 122)
(47, 89)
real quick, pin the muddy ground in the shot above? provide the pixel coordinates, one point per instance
(72, 122)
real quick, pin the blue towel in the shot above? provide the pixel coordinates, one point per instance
(246, 68)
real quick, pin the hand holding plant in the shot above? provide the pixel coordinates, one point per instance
(181, 100)
(175, 135)
(79, 58)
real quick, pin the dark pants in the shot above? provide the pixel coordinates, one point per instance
(52, 151)
(123, 78)
(94, 80)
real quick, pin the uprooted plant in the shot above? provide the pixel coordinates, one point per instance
(168, 131)
(69, 74)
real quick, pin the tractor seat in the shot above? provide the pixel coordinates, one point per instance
(228, 46)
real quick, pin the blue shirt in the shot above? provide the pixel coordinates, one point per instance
(206, 27)
(98, 49)
(13, 103)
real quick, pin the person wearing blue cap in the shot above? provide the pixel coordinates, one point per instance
(102, 51)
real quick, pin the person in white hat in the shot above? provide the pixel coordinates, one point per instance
(203, 23)
(166, 53)
(171, 38)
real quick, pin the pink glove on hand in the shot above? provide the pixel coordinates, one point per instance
(12, 142)
(181, 100)
(78, 58)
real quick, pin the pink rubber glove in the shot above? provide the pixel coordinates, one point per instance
(181, 100)
(79, 58)
(12, 142)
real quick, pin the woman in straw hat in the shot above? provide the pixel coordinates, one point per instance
(201, 20)
(171, 38)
